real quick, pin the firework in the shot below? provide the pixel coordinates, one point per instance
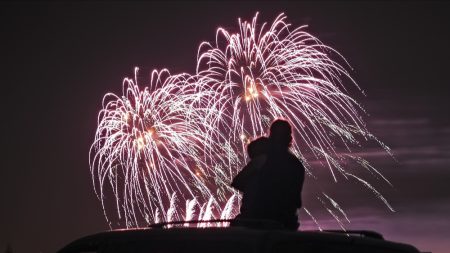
(275, 71)
(150, 147)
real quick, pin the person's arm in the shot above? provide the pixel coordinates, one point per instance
(294, 181)
(300, 179)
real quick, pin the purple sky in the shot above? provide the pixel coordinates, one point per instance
(58, 60)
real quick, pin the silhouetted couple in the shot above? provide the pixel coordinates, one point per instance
(272, 181)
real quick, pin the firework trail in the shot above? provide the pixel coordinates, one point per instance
(150, 147)
(274, 72)
(180, 141)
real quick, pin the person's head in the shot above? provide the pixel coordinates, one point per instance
(257, 147)
(280, 133)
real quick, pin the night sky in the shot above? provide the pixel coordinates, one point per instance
(59, 59)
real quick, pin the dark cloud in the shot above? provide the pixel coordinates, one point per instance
(419, 174)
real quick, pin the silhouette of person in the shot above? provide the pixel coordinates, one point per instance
(274, 189)
(246, 180)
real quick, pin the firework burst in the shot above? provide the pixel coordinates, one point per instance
(150, 147)
(271, 72)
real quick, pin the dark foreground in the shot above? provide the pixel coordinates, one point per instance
(233, 239)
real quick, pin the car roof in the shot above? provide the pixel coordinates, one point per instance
(232, 239)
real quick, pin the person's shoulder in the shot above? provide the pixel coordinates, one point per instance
(295, 161)
(259, 161)
(292, 157)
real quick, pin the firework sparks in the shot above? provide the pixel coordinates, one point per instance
(150, 146)
(182, 139)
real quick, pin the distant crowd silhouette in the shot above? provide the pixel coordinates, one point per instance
(272, 181)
